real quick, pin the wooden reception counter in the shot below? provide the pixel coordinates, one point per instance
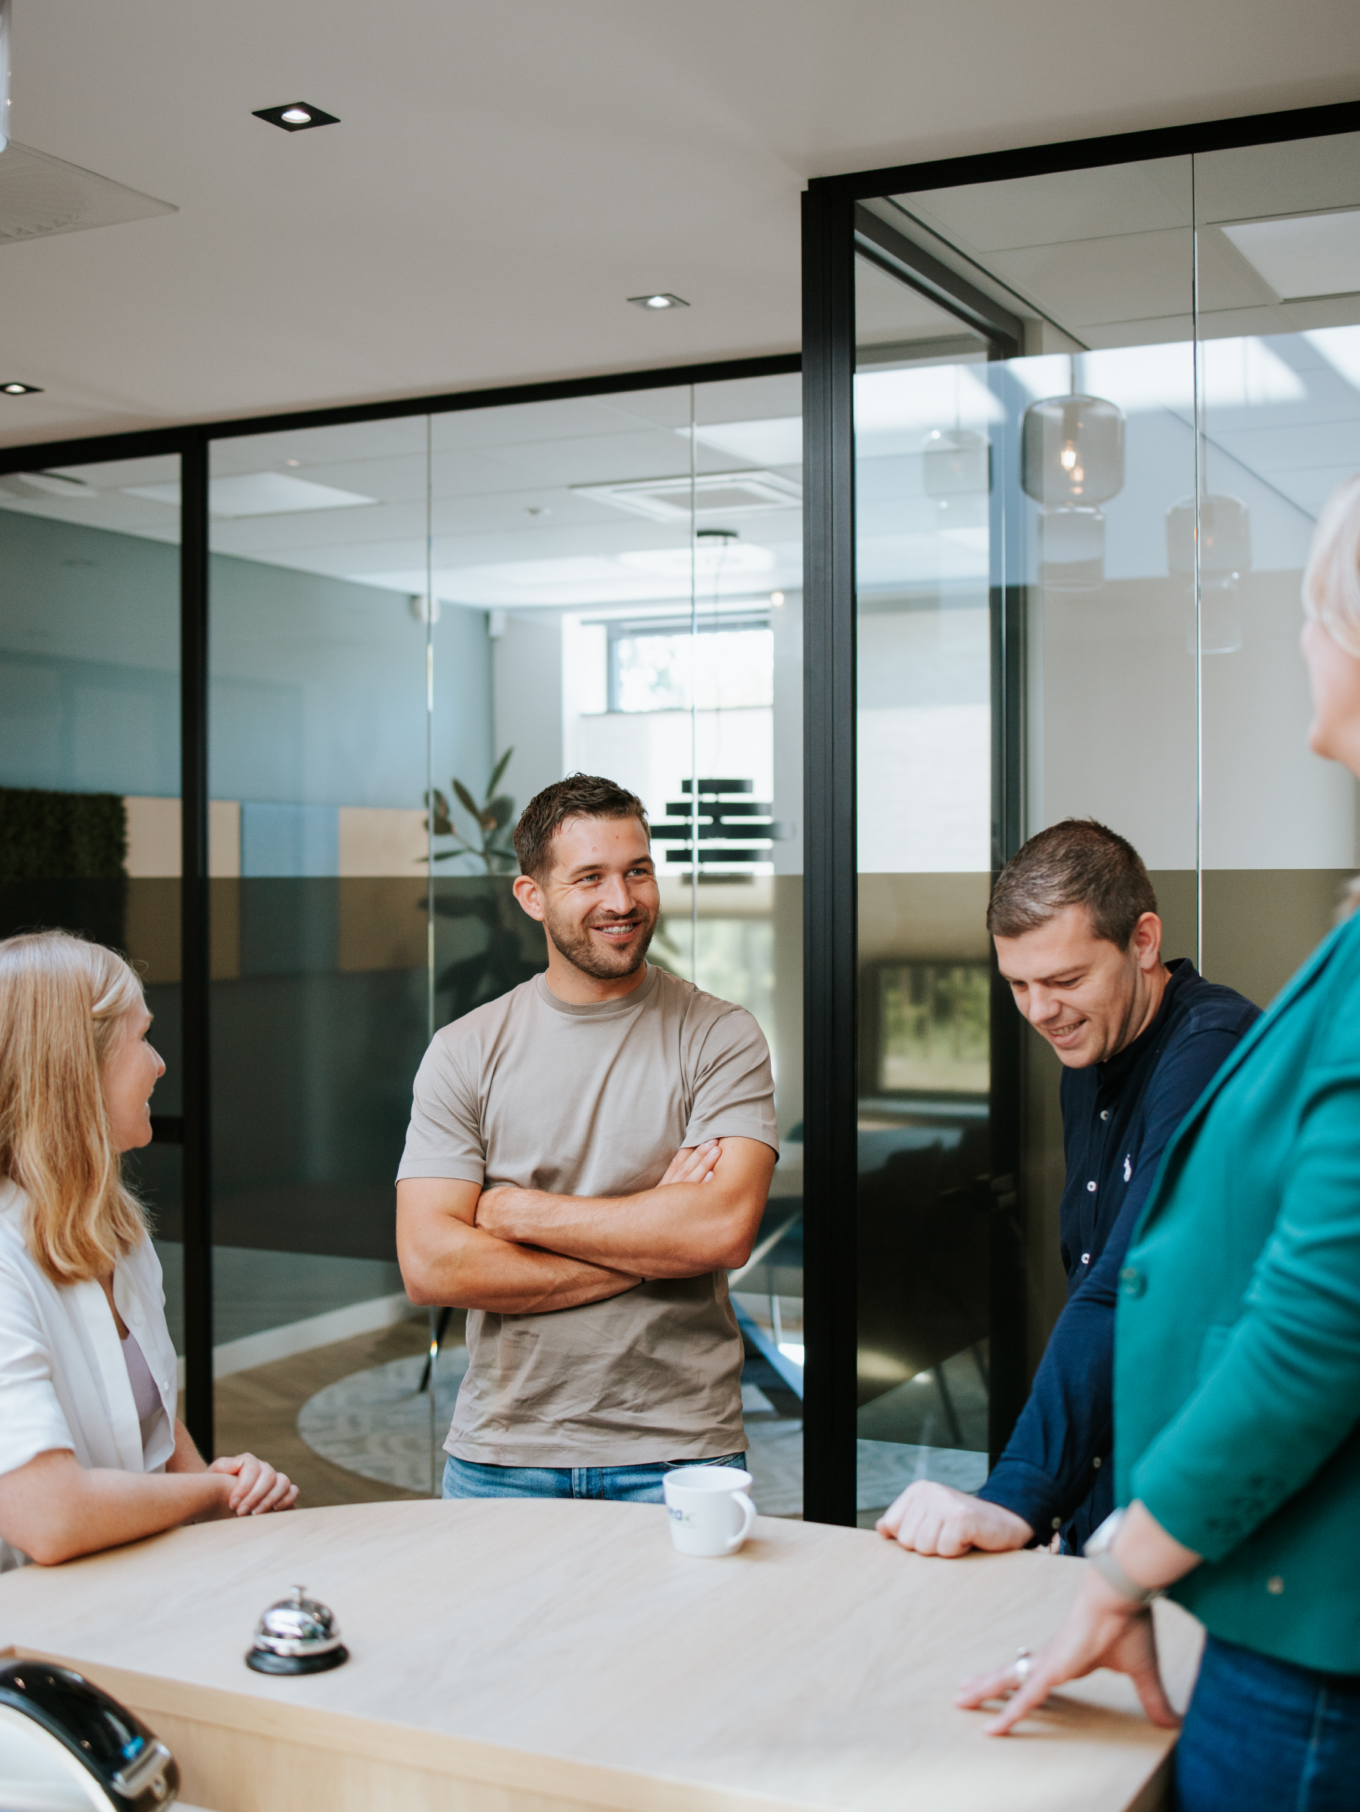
(528, 1657)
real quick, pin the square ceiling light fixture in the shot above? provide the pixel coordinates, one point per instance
(259, 494)
(295, 116)
(660, 299)
(1303, 255)
(715, 494)
(775, 442)
(45, 484)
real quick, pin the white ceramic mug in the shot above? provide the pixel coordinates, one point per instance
(709, 1510)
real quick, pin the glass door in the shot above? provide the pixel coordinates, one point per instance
(1028, 651)
(417, 625)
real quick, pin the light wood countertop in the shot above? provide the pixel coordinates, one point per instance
(513, 1654)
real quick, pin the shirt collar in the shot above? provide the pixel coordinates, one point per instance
(598, 1009)
(1117, 1070)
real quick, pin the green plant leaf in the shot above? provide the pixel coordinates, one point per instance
(498, 770)
(466, 800)
(498, 812)
(443, 824)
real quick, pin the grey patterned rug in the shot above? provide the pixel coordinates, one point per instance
(376, 1424)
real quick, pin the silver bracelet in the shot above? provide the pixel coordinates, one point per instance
(1097, 1551)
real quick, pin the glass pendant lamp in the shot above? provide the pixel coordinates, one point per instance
(1224, 557)
(1072, 461)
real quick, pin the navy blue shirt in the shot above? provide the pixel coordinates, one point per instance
(1117, 1119)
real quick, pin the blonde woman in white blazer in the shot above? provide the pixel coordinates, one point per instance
(92, 1453)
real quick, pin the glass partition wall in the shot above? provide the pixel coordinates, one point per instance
(1095, 414)
(90, 751)
(1067, 418)
(458, 609)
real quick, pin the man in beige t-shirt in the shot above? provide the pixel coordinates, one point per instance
(587, 1157)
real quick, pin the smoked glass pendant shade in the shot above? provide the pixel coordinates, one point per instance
(1072, 450)
(1225, 539)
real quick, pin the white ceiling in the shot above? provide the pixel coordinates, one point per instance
(507, 172)
(1108, 254)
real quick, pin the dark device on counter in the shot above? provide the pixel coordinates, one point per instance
(65, 1746)
(298, 1635)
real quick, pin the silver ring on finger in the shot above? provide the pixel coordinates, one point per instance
(1023, 1666)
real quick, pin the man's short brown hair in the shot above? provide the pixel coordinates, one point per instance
(578, 796)
(1075, 863)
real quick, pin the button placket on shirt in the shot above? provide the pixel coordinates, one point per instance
(1099, 1143)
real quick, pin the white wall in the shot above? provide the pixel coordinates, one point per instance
(924, 722)
(526, 681)
(1269, 802)
(1116, 727)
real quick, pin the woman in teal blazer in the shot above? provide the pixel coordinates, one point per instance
(1237, 1367)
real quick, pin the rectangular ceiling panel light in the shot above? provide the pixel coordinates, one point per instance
(715, 493)
(1304, 255)
(777, 442)
(259, 494)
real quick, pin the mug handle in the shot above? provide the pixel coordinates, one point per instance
(748, 1517)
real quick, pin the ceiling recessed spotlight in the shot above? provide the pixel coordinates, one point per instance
(662, 299)
(292, 462)
(18, 389)
(776, 597)
(296, 116)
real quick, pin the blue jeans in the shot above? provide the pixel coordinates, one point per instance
(620, 1484)
(1264, 1736)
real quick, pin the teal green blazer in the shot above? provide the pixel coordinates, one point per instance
(1237, 1352)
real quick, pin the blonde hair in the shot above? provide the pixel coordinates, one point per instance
(1331, 579)
(64, 1004)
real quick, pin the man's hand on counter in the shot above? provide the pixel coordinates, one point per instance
(935, 1519)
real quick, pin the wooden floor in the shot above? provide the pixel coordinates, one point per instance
(257, 1411)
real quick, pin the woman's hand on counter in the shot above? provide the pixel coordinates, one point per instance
(259, 1488)
(1102, 1629)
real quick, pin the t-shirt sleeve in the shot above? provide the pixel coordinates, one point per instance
(444, 1138)
(31, 1418)
(733, 1084)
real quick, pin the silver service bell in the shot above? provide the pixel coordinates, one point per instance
(297, 1636)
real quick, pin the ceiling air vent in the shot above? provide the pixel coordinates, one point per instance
(716, 493)
(42, 195)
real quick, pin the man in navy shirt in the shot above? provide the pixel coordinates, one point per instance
(1074, 919)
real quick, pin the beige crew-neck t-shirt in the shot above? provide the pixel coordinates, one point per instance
(595, 1101)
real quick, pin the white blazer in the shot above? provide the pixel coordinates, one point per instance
(63, 1378)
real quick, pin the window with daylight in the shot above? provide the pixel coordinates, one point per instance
(662, 667)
